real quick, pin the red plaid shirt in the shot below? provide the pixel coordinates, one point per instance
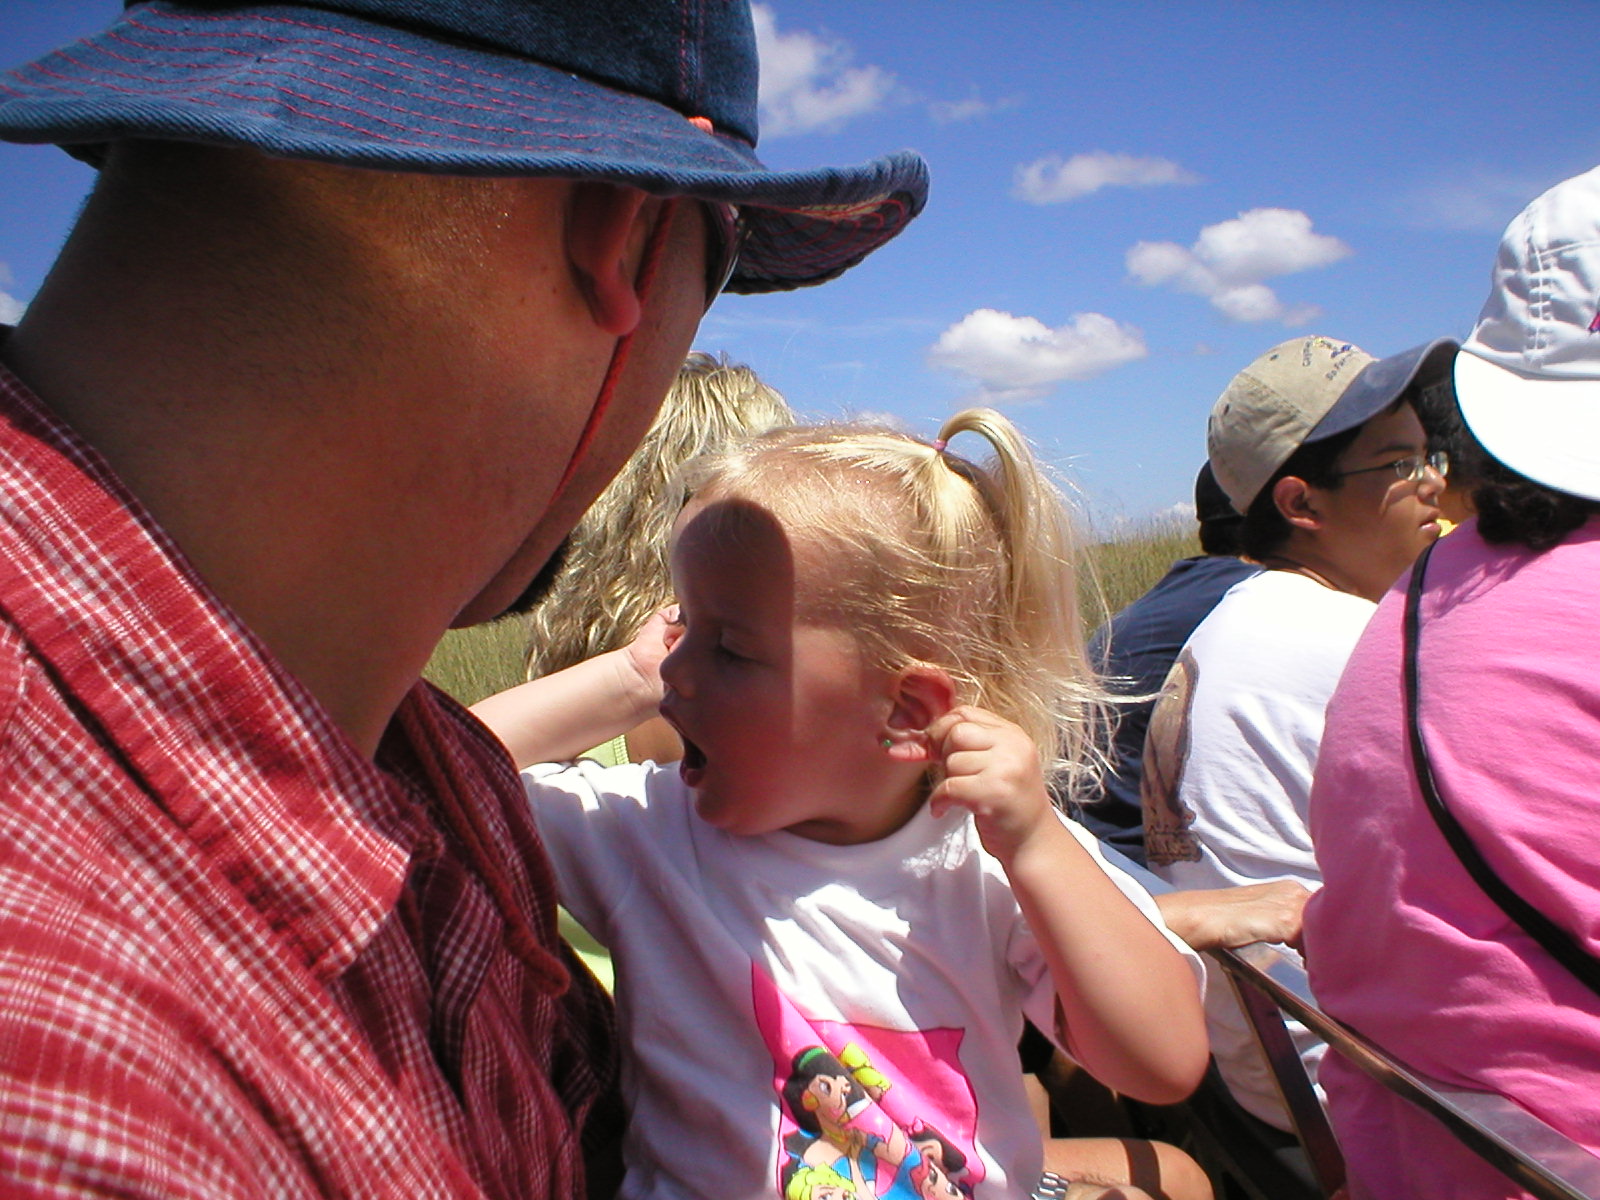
(237, 959)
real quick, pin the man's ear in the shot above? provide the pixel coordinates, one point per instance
(921, 695)
(607, 226)
(1297, 502)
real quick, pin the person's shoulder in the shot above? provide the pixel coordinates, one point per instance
(110, 1032)
(1200, 584)
(1258, 592)
(1272, 619)
(86, 920)
(1215, 566)
(1297, 596)
(1162, 618)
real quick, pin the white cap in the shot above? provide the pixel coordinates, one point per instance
(1528, 379)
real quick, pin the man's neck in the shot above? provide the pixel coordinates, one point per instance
(253, 413)
(1306, 557)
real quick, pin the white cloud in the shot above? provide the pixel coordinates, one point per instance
(1019, 358)
(1230, 262)
(1477, 201)
(808, 82)
(949, 112)
(1051, 179)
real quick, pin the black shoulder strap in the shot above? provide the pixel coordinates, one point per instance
(1535, 924)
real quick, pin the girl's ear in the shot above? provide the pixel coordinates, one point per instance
(1297, 502)
(921, 695)
(607, 226)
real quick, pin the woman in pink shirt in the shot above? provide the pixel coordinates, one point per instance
(1403, 943)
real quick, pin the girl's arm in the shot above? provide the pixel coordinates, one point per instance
(1128, 1009)
(560, 716)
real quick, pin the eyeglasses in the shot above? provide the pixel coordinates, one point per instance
(725, 233)
(1411, 468)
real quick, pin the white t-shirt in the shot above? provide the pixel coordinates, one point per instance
(1228, 762)
(745, 965)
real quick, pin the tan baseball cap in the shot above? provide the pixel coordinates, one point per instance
(1303, 391)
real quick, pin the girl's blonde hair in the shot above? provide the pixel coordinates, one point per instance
(929, 558)
(616, 573)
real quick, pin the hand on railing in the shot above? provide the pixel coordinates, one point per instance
(1211, 918)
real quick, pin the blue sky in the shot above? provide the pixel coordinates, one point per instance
(1130, 200)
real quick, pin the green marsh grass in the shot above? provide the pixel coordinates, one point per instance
(473, 663)
(1127, 566)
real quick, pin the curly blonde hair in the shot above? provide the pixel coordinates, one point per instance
(616, 574)
(931, 558)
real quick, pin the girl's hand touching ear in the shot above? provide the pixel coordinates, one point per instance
(991, 769)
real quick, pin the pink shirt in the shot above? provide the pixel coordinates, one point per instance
(1401, 944)
(237, 959)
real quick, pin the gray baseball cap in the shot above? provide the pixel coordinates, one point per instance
(1302, 391)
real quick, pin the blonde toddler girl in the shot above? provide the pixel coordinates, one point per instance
(830, 919)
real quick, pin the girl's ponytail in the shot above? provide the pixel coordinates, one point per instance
(1039, 634)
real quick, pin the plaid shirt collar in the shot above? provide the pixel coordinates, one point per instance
(318, 839)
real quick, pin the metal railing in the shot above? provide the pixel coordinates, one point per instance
(1509, 1138)
(1537, 1157)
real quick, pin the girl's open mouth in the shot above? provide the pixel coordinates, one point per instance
(691, 768)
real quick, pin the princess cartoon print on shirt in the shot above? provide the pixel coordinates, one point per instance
(872, 1127)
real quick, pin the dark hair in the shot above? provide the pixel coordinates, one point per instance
(1219, 520)
(951, 1158)
(1511, 508)
(1221, 535)
(1514, 509)
(1441, 420)
(809, 1064)
(1265, 530)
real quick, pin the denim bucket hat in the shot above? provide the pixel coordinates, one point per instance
(658, 94)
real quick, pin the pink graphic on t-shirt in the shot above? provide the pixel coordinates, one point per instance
(865, 1111)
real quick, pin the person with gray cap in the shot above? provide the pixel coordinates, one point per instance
(369, 301)
(1317, 445)
(1454, 809)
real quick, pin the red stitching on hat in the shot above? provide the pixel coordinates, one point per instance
(695, 147)
(308, 46)
(191, 99)
(446, 120)
(279, 91)
(413, 56)
(200, 67)
(683, 51)
(286, 74)
(410, 61)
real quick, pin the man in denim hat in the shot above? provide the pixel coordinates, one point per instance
(370, 300)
